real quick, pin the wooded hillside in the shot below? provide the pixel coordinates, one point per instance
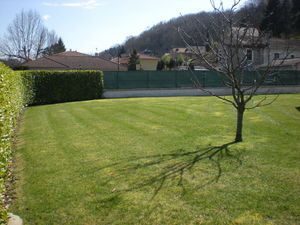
(279, 17)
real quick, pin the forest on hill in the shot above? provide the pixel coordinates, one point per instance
(281, 18)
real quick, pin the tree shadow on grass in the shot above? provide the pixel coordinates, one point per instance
(155, 170)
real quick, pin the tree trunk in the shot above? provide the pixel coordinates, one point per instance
(239, 124)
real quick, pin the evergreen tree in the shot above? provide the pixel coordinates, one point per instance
(272, 18)
(172, 63)
(285, 19)
(55, 48)
(60, 46)
(133, 60)
(295, 16)
(160, 65)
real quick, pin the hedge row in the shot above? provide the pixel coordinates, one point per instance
(46, 87)
(11, 103)
(18, 89)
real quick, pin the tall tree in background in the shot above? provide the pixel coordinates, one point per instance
(133, 60)
(295, 15)
(272, 21)
(56, 48)
(285, 18)
(26, 37)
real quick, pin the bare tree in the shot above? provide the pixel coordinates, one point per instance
(26, 37)
(232, 40)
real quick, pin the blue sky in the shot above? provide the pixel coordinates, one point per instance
(87, 25)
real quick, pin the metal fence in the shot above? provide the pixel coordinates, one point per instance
(187, 79)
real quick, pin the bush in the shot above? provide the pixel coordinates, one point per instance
(11, 103)
(18, 89)
(46, 87)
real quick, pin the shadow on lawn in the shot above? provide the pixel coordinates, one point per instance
(155, 170)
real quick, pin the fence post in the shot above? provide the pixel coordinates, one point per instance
(117, 80)
(204, 80)
(148, 79)
(176, 79)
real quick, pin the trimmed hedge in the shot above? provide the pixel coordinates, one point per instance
(62, 86)
(18, 89)
(11, 103)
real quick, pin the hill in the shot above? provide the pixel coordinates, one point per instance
(164, 36)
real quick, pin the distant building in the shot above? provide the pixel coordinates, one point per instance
(72, 60)
(147, 62)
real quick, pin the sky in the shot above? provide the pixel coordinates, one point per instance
(90, 26)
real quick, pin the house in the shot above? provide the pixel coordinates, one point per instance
(72, 60)
(261, 51)
(147, 62)
(283, 53)
(286, 64)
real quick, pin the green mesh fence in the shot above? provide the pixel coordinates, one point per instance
(189, 79)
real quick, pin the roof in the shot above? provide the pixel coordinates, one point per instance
(283, 62)
(71, 53)
(290, 44)
(143, 56)
(73, 60)
(120, 60)
(124, 60)
(188, 50)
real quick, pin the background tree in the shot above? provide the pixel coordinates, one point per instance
(272, 18)
(295, 16)
(172, 64)
(180, 60)
(133, 60)
(26, 37)
(56, 48)
(160, 65)
(229, 43)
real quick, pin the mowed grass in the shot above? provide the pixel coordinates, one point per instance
(158, 161)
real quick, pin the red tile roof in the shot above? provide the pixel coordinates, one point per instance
(73, 61)
(71, 53)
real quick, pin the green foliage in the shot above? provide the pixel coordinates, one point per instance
(133, 60)
(46, 87)
(281, 17)
(11, 103)
(160, 65)
(136, 161)
(55, 48)
(180, 59)
(17, 89)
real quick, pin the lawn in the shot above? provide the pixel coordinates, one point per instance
(158, 161)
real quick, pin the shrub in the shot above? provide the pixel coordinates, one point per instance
(11, 103)
(46, 87)
(17, 89)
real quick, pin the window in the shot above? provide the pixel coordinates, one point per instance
(276, 55)
(249, 54)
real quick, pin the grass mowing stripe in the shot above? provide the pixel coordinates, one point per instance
(100, 162)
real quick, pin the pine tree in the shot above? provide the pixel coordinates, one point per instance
(272, 18)
(133, 60)
(295, 16)
(55, 48)
(285, 18)
(60, 46)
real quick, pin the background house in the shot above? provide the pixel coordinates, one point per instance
(72, 60)
(147, 62)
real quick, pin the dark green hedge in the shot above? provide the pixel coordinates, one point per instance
(18, 89)
(46, 87)
(11, 103)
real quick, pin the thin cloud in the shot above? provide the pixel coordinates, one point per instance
(91, 4)
(46, 17)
